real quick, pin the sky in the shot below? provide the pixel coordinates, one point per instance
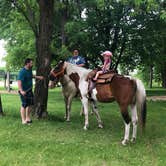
(2, 53)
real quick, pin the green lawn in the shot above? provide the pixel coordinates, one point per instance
(156, 92)
(54, 142)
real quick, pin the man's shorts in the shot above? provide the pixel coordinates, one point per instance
(27, 99)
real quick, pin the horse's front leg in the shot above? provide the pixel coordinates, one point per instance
(84, 101)
(127, 121)
(66, 111)
(82, 111)
(68, 101)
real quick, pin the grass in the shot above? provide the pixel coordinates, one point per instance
(156, 92)
(54, 142)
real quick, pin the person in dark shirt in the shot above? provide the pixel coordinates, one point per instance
(25, 86)
(77, 59)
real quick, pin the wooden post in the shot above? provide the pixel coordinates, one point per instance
(8, 81)
(5, 80)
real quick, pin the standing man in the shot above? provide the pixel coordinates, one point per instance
(77, 59)
(25, 86)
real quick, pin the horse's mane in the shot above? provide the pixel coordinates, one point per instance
(78, 69)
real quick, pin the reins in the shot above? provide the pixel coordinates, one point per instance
(58, 73)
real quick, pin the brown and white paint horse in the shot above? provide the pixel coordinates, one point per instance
(126, 91)
(70, 90)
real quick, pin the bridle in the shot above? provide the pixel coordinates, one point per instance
(58, 73)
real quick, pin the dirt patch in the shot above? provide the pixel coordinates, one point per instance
(157, 98)
(153, 98)
(7, 92)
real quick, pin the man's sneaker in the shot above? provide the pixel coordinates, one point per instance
(29, 121)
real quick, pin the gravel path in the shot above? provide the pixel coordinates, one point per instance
(157, 98)
(6, 92)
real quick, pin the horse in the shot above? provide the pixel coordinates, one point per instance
(124, 90)
(70, 90)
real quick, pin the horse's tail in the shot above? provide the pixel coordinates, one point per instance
(141, 102)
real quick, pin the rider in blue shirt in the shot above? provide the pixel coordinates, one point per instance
(76, 59)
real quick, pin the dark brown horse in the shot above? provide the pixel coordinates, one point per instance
(126, 91)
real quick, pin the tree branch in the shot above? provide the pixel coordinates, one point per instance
(28, 16)
(121, 52)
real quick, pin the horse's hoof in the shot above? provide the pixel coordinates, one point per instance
(125, 142)
(100, 126)
(92, 113)
(133, 140)
(85, 127)
(67, 120)
(81, 113)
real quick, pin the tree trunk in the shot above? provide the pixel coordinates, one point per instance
(121, 52)
(5, 80)
(1, 110)
(115, 39)
(43, 40)
(163, 76)
(63, 22)
(79, 7)
(63, 34)
(151, 76)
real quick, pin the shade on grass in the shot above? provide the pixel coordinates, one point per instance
(54, 142)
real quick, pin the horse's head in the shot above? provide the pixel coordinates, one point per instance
(57, 72)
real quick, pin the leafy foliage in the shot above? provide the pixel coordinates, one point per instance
(133, 30)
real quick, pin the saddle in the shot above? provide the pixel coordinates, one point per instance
(102, 85)
(105, 78)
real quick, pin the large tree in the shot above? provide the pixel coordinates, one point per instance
(43, 41)
(38, 16)
(148, 43)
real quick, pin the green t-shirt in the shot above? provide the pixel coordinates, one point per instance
(25, 76)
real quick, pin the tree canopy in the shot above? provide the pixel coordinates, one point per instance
(133, 30)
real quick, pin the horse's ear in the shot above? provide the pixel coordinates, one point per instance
(64, 65)
(61, 61)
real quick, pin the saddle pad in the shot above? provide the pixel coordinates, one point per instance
(105, 78)
(106, 75)
(104, 93)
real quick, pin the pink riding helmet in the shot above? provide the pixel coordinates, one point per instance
(107, 53)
